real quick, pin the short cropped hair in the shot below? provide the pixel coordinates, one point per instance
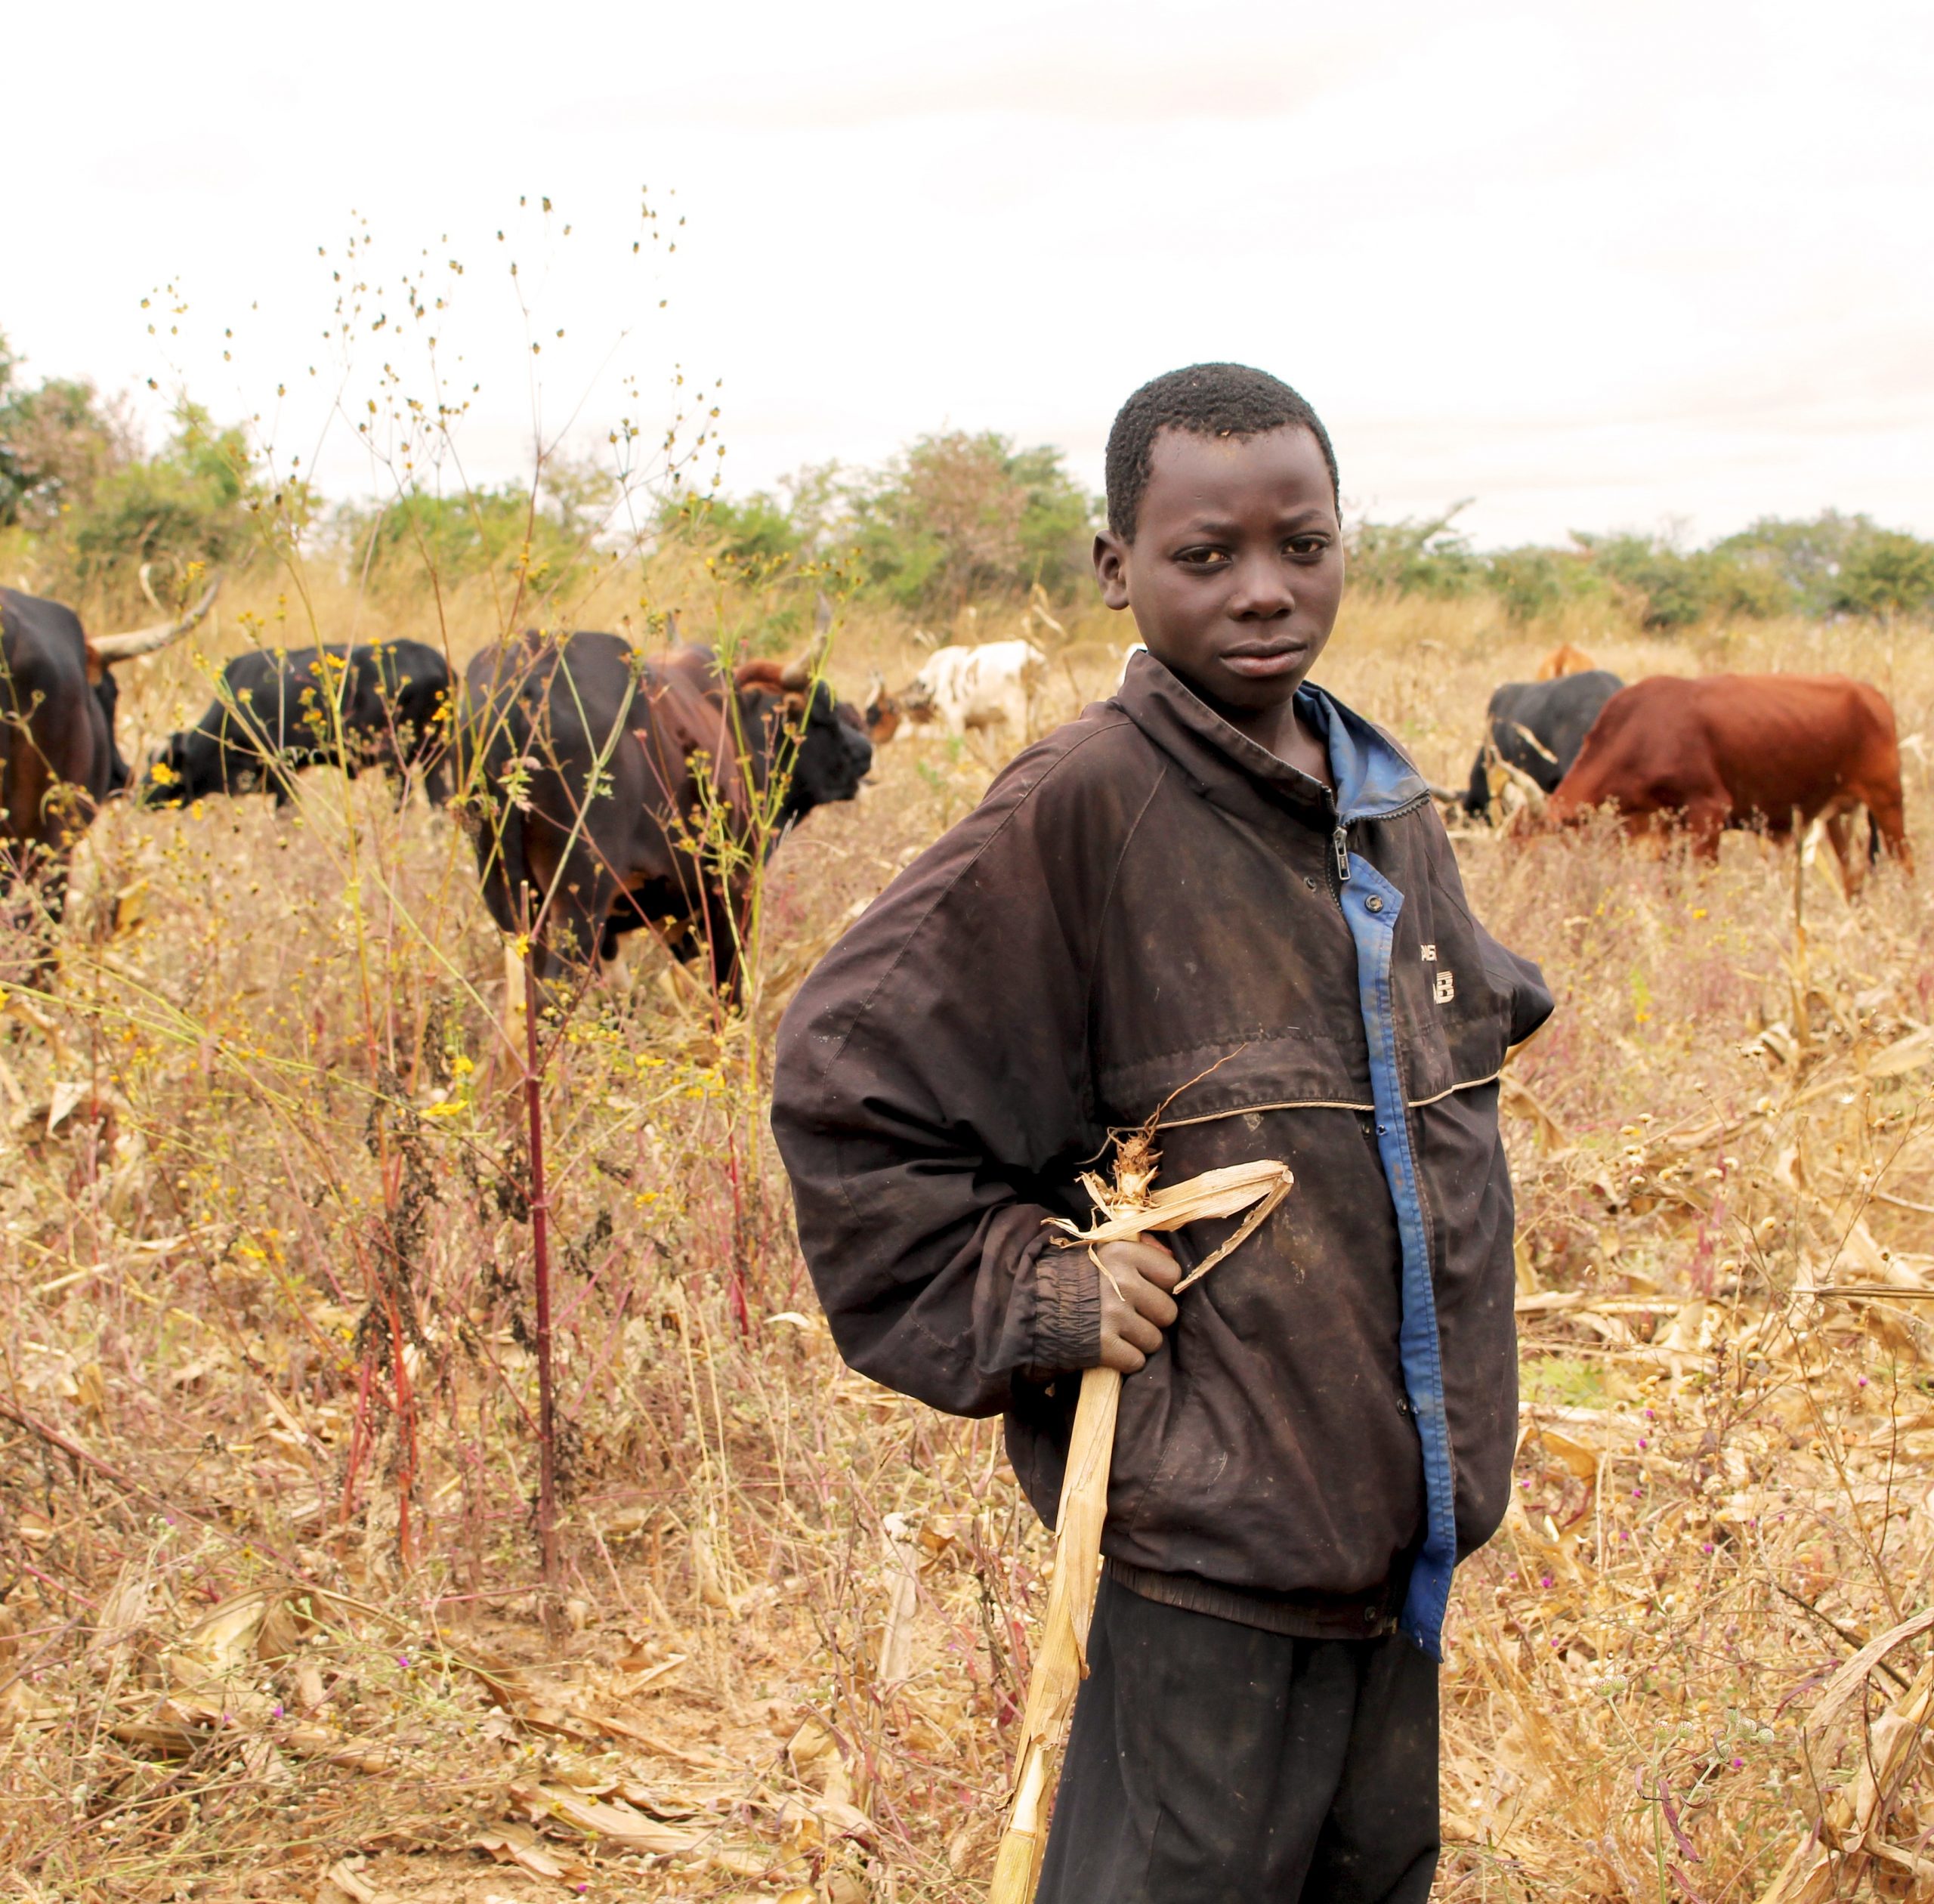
(1211, 399)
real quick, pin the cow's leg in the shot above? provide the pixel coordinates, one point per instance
(1705, 820)
(1643, 828)
(1837, 823)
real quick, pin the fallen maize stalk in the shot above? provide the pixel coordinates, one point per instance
(1129, 1209)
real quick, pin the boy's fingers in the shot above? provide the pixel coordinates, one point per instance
(1134, 1308)
(1149, 1261)
(1154, 1302)
(1124, 1358)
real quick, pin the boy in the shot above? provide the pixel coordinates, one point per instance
(1224, 888)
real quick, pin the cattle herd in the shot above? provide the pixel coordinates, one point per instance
(1773, 752)
(609, 793)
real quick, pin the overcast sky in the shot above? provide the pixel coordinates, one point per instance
(1596, 267)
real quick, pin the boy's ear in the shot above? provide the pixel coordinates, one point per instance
(1111, 568)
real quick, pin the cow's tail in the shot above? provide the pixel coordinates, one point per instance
(1873, 839)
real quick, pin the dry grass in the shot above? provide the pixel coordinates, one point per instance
(267, 1574)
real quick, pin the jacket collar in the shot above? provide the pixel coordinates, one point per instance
(1372, 778)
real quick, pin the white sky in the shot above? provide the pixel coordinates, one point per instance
(1596, 267)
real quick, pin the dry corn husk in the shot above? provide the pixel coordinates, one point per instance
(1856, 1835)
(1129, 1209)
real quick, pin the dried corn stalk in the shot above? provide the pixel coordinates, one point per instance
(1130, 1208)
(1859, 1831)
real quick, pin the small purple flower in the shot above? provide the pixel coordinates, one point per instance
(1707, 1548)
(278, 1712)
(1863, 1381)
(402, 1660)
(1545, 1580)
(1737, 1763)
(1650, 1416)
(1642, 1441)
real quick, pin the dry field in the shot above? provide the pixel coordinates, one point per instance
(270, 1618)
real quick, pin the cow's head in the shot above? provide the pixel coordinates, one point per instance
(916, 702)
(107, 698)
(187, 766)
(103, 651)
(882, 713)
(816, 740)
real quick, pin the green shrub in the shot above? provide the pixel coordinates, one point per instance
(1534, 581)
(959, 517)
(758, 536)
(202, 499)
(57, 442)
(1416, 557)
(1799, 562)
(452, 537)
(1886, 572)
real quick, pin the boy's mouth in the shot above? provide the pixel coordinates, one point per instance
(1262, 660)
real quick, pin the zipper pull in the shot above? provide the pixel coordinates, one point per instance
(1340, 841)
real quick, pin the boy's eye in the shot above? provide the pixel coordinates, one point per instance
(1308, 546)
(1202, 558)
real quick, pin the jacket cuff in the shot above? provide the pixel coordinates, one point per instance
(1068, 1310)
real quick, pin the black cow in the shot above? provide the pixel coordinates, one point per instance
(58, 759)
(617, 794)
(380, 704)
(1538, 727)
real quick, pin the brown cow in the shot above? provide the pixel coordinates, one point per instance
(611, 793)
(1765, 751)
(1564, 660)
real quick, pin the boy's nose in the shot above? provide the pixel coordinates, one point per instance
(1261, 592)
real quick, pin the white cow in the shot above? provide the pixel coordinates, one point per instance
(961, 688)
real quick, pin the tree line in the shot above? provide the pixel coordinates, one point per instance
(956, 518)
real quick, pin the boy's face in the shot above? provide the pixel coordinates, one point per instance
(1237, 566)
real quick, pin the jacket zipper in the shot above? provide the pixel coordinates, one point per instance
(1339, 841)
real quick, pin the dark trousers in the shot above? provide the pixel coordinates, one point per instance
(1214, 1763)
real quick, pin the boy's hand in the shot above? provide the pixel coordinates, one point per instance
(1136, 1306)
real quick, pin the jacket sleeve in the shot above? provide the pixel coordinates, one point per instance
(931, 1094)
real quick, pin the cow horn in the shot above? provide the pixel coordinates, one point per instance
(147, 589)
(1535, 796)
(110, 648)
(798, 673)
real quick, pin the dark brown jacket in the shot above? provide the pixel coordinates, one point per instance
(1145, 894)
